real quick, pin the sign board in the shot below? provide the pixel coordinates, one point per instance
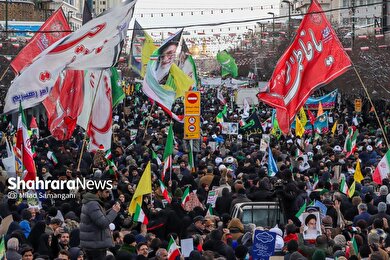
(263, 245)
(340, 129)
(229, 128)
(192, 103)
(358, 105)
(212, 198)
(191, 127)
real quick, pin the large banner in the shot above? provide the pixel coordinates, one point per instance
(252, 126)
(142, 47)
(328, 101)
(314, 58)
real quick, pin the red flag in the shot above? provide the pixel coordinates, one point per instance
(311, 117)
(56, 23)
(33, 123)
(64, 104)
(315, 57)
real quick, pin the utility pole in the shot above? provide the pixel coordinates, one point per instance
(273, 29)
(353, 24)
(6, 18)
(289, 17)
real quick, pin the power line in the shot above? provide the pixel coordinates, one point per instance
(218, 23)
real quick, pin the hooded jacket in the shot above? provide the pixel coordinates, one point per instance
(94, 225)
(236, 228)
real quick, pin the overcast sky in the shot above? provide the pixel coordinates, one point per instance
(167, 7)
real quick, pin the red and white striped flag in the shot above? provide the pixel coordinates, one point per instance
(164, 192)
(23, 144)
(139, 215)
(173, 249)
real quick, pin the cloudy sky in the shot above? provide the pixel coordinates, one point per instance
(168, 13)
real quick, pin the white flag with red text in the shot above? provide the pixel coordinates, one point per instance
(96, 115)
(96, 45)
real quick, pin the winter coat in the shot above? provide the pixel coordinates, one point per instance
(236, 228)
(94, 225)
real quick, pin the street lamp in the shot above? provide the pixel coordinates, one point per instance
(289, 17)
(273, 29)
(69, 16)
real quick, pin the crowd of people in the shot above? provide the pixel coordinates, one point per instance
(95, 224)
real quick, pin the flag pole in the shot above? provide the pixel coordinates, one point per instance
(89, 118)
(147, 123)
(372, 104)
(2, 76)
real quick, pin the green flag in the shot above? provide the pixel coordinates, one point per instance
(220, 115)
(191, 163)
(354, 245)
(2, 248)
(301, 210)
(169, 144)
(154, 156)
(228, 64)
(117, 92)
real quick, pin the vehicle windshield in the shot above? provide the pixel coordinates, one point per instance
(264, 217)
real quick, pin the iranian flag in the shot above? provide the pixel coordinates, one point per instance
(139, 215)
(344, 187)
(185, 197)
(108, 155)
(164, 192)
(154, 156)
(24, 146)
(173, 249)
(191, 163)
(168, 151)
(315, 181)
(51, 156)
(209, 211)
(350, 141)
(382, 169)
(301, 210)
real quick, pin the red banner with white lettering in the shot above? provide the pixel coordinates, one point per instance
(315, 58)
(58, 27)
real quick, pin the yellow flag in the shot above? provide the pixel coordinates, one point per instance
(182, 81)
(320, 110)
(299, 130)
(144, 187)
(147, 50)
(334, 127)
(352, 189)
(303, 116)
(358, 176)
